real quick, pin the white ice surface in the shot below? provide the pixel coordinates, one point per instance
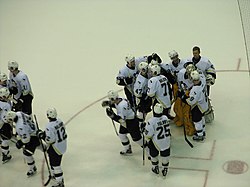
(72, 51)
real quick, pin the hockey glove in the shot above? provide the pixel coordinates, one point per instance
(210, 80)
(183, 98)
(19, 144)
(41, 134)
(180, 93)
(156, 57)
(129, 80)
(149, 59)
(106, 103)
(110, 113)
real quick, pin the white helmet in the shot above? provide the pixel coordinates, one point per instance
(12, 65)
(195, 76)
(154, 62)
(129, 58)
(10, 116)
(143, 66)
(158, 108)
(51, 113)
(155, 69)
(3, 77)
(112, 95)
(4, 92)
(190, 68)
(172, 54)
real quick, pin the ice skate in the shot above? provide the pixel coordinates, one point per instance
(164, 172)
(32, 171)
(126, 151)
(198, 138)
(6, 158)
(155, 170)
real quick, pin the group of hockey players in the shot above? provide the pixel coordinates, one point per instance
(17, 125)
(151, 85)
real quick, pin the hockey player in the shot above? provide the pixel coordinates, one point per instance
(157, 133)
(21, 89)
(56, 137)
(5, 127)
(181, 109)
(26, 131)
(143, 102)
(3, 80)
(158, 89)
(126, 117)
(126, 76)
(198, 101)
(205, 66)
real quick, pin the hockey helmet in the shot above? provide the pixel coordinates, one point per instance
(3, 77)
(51, 113)
(143, 67)
(4, 92)
(172, 54)
(195, 76)
(112, 95)
(10, 116)
(189, 68)
(155, 69)
(12, 65)
(158, 108)
(129, 58)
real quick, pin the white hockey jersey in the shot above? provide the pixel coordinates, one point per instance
(175, 69)
(198, 96)
(25, 127)
(128, 72)
(205, 66)
(184, 83)
(158, 129)
(56, 136)
(140, 86)
(158, 88)
(21, 82)
(124, 109)
(4, 108)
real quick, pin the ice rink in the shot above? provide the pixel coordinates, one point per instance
(72, 51)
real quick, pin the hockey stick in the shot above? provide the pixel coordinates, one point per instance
(185, 136)
(114, 127)
(44, 153)
(113, 123)
(143, 141)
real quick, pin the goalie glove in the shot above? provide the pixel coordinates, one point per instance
(210, 80)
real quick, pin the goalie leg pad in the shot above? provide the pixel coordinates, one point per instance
(209, 116)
